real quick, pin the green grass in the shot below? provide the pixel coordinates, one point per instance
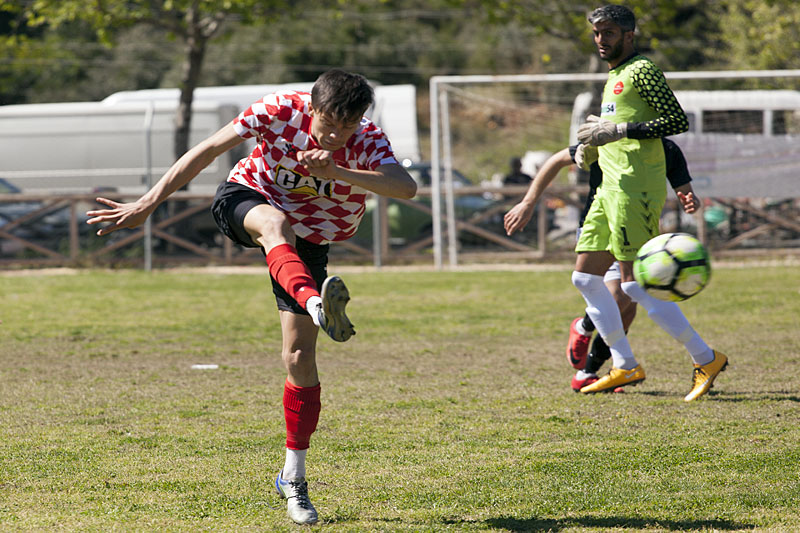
(449, 410)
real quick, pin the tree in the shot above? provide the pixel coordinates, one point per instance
(677, 34)
(760, 34)
(194, 22)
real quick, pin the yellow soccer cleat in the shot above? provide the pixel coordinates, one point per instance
(704, 376)
(618, 377)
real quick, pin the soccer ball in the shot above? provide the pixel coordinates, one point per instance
(672, 266)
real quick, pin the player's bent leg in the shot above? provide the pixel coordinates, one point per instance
(271, 229)
(268, 227)
(672, 320)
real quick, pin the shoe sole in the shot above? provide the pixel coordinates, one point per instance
(710, 384)
(334, 300)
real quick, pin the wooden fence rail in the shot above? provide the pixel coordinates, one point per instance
(46, 230)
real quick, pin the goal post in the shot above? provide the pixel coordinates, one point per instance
(778, 128)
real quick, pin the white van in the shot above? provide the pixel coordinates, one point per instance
(84, 146)
(739, 143)
(78, 147)
(394, 110)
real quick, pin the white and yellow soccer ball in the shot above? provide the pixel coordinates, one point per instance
(672, 266)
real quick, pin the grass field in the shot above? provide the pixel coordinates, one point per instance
(449, 411)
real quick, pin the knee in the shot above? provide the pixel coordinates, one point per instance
(274, 224)
(622, 299)
(299, 362)
(269, 227)
(586, 282)
(634, 291)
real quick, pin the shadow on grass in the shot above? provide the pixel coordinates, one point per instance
(731, 396)
(508, 523)
(548, 524)
(777, 396)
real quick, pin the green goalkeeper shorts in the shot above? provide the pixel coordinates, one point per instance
(620, 223)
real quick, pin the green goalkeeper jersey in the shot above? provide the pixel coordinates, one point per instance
(637, 93)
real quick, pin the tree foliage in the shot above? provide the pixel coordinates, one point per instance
(86, 49)
(194, 22)
(759, 34)
(676, 34)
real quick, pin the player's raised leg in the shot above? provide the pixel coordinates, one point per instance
(270, 228)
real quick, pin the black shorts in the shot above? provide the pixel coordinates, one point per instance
(231, 203)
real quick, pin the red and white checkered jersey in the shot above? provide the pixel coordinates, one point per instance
(320, 210)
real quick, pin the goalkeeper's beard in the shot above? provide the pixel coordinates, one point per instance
(612, 54)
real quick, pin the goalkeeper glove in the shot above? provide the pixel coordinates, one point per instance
(585, 155)
(599, 131)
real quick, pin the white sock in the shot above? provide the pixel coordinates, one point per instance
(580, 374)
(312, 306)
(672, 320)
(604, 312)
(295, 465)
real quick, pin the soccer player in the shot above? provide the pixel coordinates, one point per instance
(303, 186)
(638, 109)
(588, 362)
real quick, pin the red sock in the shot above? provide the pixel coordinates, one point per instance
(286, 267)
(301, 407)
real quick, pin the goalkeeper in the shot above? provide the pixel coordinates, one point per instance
(638, 108)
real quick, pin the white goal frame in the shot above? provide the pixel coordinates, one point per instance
(441, 145)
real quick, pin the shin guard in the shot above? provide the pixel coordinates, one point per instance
(301, 406)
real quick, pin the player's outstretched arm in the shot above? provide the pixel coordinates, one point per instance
(689, 201)
(132, 214)
(518, 216)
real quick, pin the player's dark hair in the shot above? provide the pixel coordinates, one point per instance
(619, 15)
(342, 95)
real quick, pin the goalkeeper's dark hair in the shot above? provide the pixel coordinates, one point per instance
(342, 95)
(619, 15)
